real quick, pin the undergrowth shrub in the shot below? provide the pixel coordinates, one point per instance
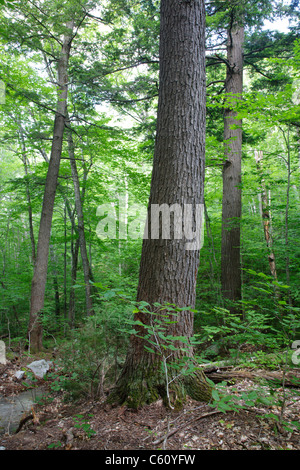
(94, 352)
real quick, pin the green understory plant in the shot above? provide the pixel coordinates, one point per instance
(174, 352)
(269, 325)
(94, 349)
(267, 401)
(82, 423)
(55, 445)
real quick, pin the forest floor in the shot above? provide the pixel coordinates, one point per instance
(94, 425)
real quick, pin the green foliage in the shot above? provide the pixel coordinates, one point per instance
(82, 423)
(94, 350)
(55, 445)
(262, 399)
(269, 323)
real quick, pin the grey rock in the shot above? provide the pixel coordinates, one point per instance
(40, 368)
(19, 374)
(2, 353)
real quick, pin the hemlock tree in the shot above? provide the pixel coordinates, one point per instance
(232, 197)
(168, 270)
(236, 18)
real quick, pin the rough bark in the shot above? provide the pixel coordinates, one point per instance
(168, 270)
(35, 332)
(232, 205)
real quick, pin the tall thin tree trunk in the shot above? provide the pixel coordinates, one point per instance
(265, 213)
(35, 331)
(168, 269)
(287, 208)
(55, 283)
(25, 164)
(232, 200)
(80, 223)
(214, 275)
(72, 303)
(123, 221)
(65, 264)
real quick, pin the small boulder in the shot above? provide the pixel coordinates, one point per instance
(2, 353)
(19, 374)
(40, 368)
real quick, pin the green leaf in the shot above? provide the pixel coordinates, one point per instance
(149, 349)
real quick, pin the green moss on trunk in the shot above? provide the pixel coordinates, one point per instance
(147, 383)
(197, 386)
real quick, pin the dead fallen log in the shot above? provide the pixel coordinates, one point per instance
(22, 422)
(230, 374)
(32, 416)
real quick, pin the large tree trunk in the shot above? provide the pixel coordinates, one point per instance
(232, 205)
(40, 272)
(168, 269)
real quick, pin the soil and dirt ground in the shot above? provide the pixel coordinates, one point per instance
(93, 425)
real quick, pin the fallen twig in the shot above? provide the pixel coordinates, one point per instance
(205, 415)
